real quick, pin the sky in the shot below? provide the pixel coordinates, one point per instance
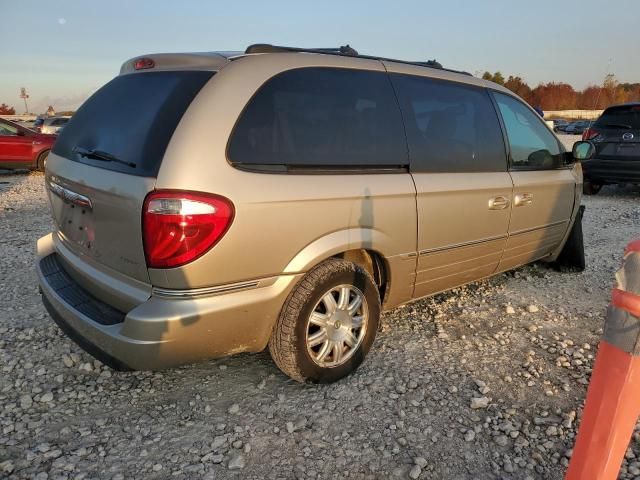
(63, 50)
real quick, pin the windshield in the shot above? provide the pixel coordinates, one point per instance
(625, 117)
(131, 118)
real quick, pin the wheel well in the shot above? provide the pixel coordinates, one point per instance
(371, 261)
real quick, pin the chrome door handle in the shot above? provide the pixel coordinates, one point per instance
(523, 199)
(498, 203)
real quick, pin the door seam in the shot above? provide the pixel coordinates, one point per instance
(506, 241)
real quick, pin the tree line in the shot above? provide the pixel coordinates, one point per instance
(562, 96)
(7, 110)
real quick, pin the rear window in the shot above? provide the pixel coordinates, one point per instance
(131, 118)
(321, 118)
(620, 118)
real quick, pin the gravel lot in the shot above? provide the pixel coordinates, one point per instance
(486, 381)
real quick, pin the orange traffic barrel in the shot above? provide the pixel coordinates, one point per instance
(613, 397)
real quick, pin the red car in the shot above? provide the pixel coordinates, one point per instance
(23, 148)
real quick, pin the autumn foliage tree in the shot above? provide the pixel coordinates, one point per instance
(496, 77)
(592, 98)
(519, 87)
(554, 96)
(614, 93)
(7, 110)
(610, 93)
(632, 91)
(562, 96)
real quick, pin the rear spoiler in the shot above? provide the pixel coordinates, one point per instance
(210, 61)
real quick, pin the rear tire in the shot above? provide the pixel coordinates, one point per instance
(571, 257)
(42, 160)
(312, 342)
(589, 188)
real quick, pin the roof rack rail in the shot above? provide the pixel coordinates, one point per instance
(430, 63)
(344, 50)
(268, 48)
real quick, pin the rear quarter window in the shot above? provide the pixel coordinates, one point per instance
(320, 118)
(131, 118)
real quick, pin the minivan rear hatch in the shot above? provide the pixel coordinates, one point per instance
(105, 162)
(616, 133)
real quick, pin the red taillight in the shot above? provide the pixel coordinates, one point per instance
(590, 133)
(178, 227)
(144, 63)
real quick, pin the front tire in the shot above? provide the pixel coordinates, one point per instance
(327, 324)
(42, 160)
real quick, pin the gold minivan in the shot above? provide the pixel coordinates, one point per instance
(214, 203)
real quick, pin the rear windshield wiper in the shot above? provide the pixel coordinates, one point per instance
(100, 155)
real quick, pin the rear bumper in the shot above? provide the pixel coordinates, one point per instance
(611, 171)
(161, 331)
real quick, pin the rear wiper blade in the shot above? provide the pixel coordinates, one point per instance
(618, 125)
(100, 155)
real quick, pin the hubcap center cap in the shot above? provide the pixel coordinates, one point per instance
(340, 318)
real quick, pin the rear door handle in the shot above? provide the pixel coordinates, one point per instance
(523, 199)
(498, 203)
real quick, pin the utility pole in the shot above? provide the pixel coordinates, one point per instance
(24, 96)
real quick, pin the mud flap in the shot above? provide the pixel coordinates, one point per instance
(571, 257)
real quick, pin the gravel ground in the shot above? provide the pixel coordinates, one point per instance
(486, 381)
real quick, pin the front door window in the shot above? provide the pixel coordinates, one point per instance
(532, 145)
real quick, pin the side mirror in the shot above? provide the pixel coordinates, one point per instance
(20, 133)
(583, 150)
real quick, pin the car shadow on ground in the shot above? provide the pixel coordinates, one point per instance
(619, 191)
